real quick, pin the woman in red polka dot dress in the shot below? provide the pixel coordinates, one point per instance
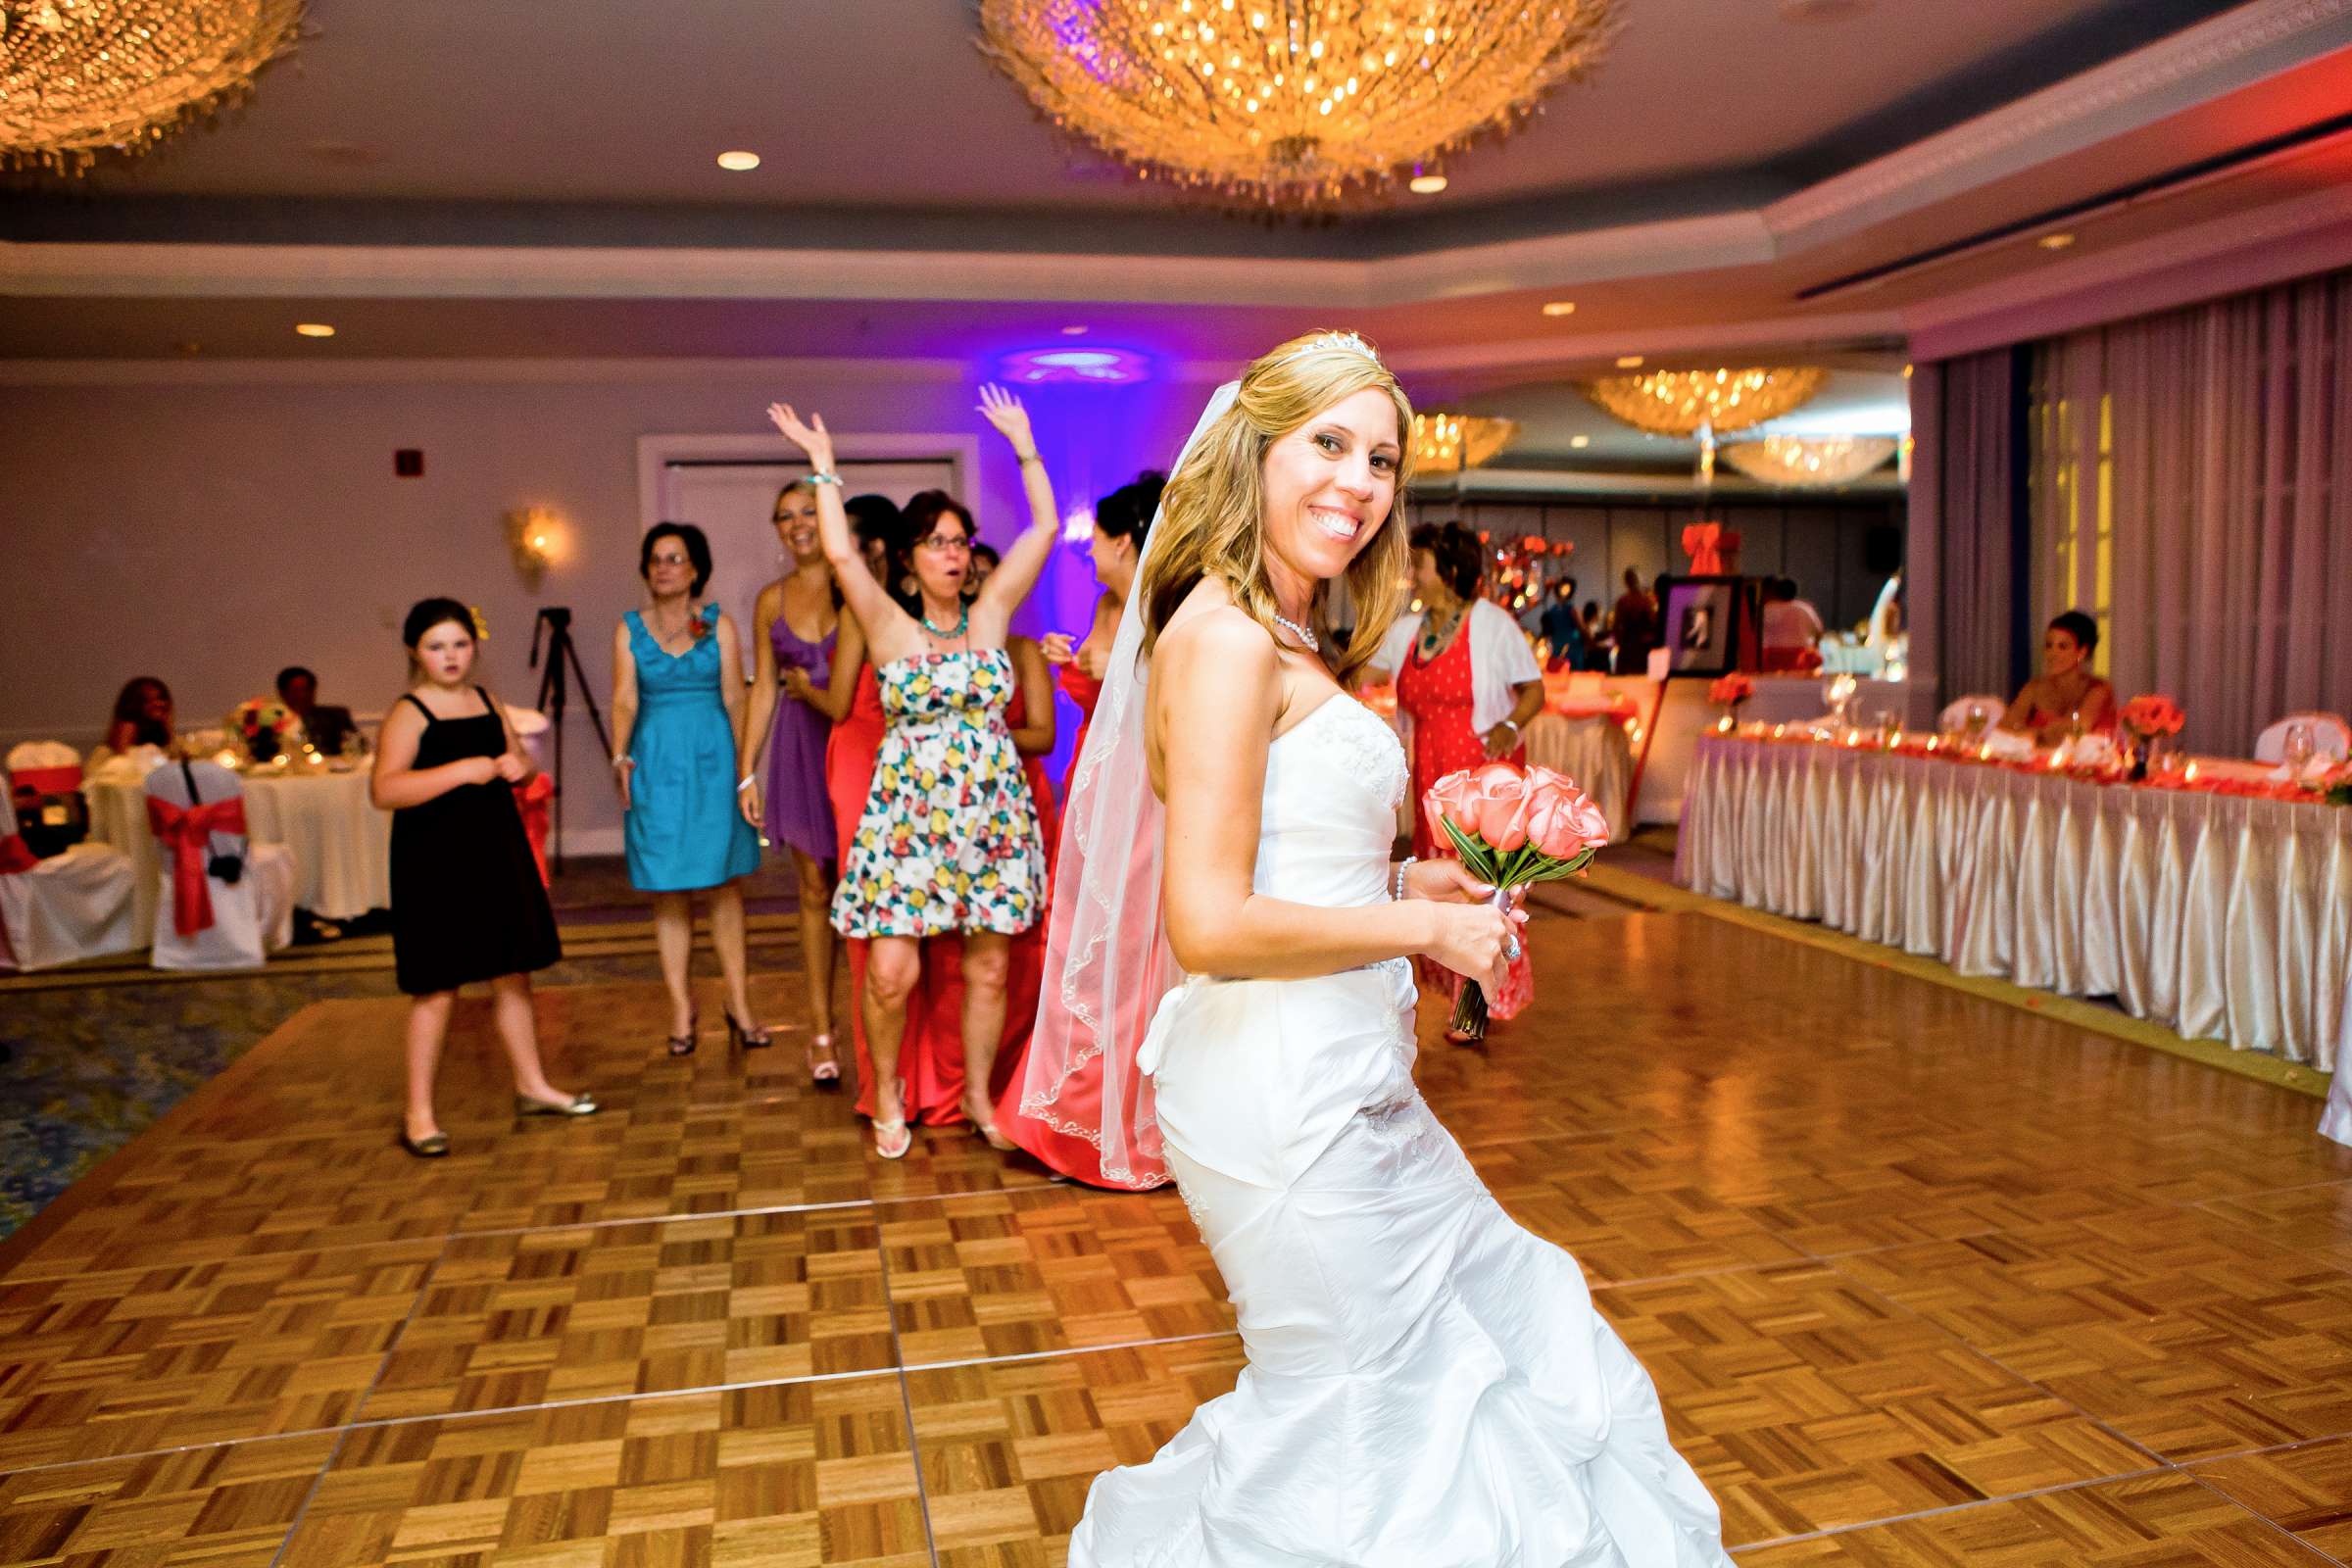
(1458, 662)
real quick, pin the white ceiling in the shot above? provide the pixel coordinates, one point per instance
(512, 179)
(886, 104)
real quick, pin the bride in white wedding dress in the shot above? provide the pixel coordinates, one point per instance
(1428, 1384)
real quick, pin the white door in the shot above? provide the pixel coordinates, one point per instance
(735, 503)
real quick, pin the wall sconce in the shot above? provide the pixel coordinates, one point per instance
(537, 536)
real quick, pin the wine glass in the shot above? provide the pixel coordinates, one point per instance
(2297, 746)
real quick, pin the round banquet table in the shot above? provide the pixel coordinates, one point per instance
(341, 844)
(2220, 915)
(1595, 753)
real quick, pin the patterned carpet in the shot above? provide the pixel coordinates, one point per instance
(90, 1057)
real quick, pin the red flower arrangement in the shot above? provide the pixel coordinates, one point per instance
(1512, 828)
(2152, 715)
(1730, 691)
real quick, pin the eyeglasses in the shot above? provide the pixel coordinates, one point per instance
(944, 541)
(666, 561)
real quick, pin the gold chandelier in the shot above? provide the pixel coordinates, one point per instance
(1287, 103)
(1681, 402)
(1810, 460)
(78, 77)
(1449, 443)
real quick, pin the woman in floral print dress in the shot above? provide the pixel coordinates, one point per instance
(948, 839)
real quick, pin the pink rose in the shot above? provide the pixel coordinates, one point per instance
(1448, 800)
(1498, 795)
(1563, 822)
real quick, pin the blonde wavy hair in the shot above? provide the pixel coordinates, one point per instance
(1212, 518)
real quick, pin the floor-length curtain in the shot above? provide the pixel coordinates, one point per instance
(1964, 519)
(2192, 489)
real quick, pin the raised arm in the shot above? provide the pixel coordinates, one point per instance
(1017, 574)
(858, 588)
(840, 692)
(1216, 681)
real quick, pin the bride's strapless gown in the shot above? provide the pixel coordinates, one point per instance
(1429, 1386)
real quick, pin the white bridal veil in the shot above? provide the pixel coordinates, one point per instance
(1107, 962)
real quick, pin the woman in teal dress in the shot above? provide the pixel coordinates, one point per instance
(677, 722)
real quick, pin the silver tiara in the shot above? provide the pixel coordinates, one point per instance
(1348, 341)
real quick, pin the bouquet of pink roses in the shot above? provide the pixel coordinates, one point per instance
(1512, 828)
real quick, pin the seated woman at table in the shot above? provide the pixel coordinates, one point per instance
(467, 901)
(1468, 682)
(2065, 697)
(142, 717)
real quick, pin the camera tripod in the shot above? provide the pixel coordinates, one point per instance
(554, 690)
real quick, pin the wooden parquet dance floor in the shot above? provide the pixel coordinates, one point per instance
(1922, 1279)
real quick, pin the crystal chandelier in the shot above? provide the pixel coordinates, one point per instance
(1287, 103)
(1682, 403)
(1810, 460)
(1449, 443)
(79, 77)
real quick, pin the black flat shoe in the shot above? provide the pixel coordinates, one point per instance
(432, 1146)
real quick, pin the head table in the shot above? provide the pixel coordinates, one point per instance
(2222, 915)
(341, 844)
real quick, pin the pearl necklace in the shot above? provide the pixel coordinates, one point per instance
(1303, 634)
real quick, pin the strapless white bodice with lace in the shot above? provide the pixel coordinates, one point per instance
(1428, 1383)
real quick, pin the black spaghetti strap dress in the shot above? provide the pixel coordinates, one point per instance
(466, 900)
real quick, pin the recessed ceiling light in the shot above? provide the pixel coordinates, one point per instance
(1906, 372)
(1580, 442)
(1426, 181)
(1073, 331)
(314, 329)
(1559, 307)
(739, 163)
(2055, 242)
(1629, 362)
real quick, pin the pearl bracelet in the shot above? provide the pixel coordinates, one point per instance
(1402, 867)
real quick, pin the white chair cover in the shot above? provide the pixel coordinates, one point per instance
(72, 905)
(1958, 711)
(42, 753)
(250, 918)
(2330, 737)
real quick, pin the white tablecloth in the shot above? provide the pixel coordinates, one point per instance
(2219, 915)
(341, 844)
(1595, 753)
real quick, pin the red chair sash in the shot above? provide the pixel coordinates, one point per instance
(15, 858)
(47, 780)
(186, 833)
(532, 798)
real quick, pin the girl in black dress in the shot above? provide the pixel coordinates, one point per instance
(466, 900)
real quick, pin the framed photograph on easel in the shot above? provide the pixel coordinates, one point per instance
(1709, 624)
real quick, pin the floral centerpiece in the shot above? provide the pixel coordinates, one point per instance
(1727, 693)
(2149, 718)
(266, 727)
(1512, 827)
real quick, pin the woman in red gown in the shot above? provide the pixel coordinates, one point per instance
(1453, 662)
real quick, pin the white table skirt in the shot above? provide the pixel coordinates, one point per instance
(341, 844)
(2219, 915)
(1592, 752)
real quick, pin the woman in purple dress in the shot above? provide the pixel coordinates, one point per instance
(783, 761)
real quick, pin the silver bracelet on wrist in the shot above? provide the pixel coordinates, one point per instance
(749, 779)
(1402, 867)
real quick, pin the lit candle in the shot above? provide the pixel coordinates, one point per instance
(2190, 776)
